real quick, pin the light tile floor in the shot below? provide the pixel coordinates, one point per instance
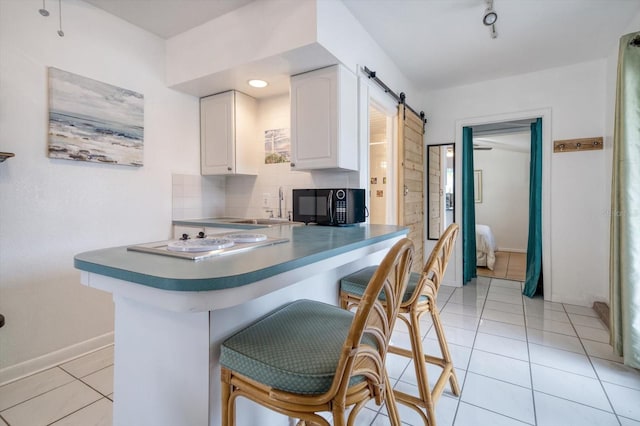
(519, 361)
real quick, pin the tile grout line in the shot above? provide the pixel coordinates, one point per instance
(74, 379)
(499, 414)
(506, 273)
(484, 302)
(86, 375)
(43, 393)
(526, 335)
(576, 402)
(613, 410)
(73, 412)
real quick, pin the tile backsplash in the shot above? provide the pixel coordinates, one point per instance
(195, 196)
(257, 196)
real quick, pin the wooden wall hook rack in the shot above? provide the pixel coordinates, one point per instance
(5, 155)
(573, 145)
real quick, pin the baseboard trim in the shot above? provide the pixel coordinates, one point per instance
(44, 362)
(512, 250)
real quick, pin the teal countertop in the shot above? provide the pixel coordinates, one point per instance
(307, 244)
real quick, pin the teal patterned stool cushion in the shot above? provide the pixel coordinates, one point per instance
(356, 283)
(294, 349)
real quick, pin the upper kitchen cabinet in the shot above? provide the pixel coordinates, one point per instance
(228, 143)
(324, 116)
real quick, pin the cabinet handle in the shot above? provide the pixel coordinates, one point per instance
(229, 168)
(293, 164)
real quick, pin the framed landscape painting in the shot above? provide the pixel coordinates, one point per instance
(94, 121)
(277, 146)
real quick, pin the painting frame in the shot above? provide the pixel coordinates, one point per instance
(477, 186)
(277, 146)
(95, 122)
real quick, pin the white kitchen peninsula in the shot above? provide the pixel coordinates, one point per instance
(172, 314)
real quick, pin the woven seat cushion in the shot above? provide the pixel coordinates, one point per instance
(356, 283)
(294, 349)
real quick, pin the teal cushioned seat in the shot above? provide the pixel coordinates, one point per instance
(357, 282)
(294, 349)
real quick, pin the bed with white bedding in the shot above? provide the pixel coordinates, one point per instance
(485, 247)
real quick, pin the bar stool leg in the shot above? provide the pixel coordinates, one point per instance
(390, 399)
(444, 348)
(421, 368)
(228, 406)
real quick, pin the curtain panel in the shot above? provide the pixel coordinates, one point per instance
(624, 271)
(468, 208)
(534, 241)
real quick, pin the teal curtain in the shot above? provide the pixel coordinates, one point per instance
(533, 279)
(468, 208)
(624, 260)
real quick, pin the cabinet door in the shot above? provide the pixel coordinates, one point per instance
(217, 134)
(324, 120)
(313, 120)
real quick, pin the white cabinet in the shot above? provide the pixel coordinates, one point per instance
(228, 143)
(324, 115)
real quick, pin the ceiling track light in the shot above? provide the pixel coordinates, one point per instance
(490, 18)
(60, 32)
(44, 11)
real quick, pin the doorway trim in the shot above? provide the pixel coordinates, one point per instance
(369, 93)
(545, 114)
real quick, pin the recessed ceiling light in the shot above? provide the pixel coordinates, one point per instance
(258, 83)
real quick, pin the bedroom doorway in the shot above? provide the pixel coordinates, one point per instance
(501, 156)
(541, 235)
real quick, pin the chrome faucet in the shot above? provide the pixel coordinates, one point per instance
(280, 199)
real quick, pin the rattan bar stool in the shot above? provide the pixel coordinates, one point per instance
(419, 298)
(309, 357)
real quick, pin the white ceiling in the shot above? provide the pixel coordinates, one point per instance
(443, 43)
(440, 43)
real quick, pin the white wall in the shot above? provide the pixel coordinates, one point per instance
(579, 224)
(51, 210)
(505, 196)
(245, 194)
(343, 35)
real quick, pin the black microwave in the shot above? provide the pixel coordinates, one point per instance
(335, 207)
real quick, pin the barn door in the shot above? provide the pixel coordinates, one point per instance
(411, 179)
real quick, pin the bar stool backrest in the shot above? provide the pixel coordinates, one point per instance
(436, 265)
(365, 349)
